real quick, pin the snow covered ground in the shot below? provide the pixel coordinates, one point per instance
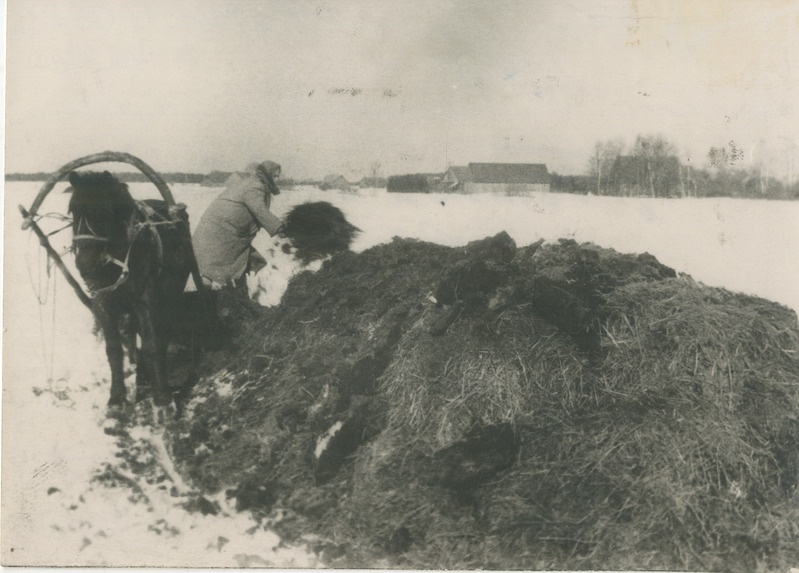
(69, 490)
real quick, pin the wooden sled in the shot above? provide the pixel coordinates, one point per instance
(29, 215)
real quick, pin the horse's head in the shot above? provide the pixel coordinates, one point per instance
(101, 207)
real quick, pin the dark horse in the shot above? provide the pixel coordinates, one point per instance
(135, 258)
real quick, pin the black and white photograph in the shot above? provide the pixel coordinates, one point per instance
(401, 285)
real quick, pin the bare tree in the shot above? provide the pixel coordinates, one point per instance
(658, 154)
(595, 165)
(720, 159)
(602, 159)
(688, 184)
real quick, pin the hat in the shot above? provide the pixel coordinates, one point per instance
(269, 168)
(267, 171)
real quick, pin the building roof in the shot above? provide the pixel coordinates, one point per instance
(512, 173)
(234, 179)
(334, 178)
(372, 182)
(461, 173)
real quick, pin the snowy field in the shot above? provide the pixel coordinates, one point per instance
(56, 508)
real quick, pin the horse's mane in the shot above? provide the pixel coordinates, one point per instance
(102, 202)
(92, 189)
(88, 184)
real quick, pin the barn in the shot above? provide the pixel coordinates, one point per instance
(503, 178)
(372, 183)
(335, 181)
(235, 179)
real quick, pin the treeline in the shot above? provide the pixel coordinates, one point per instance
(577, 184)
(651, 168)
(127, 177)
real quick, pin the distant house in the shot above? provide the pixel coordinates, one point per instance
(505, 178)
(372, 182)
(655, 176)
(334, 181)
(456, 176)
(234, 179)
(433, 179)
(215, 179)
(408, 183)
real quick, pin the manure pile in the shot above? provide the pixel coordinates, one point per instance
(551, 406)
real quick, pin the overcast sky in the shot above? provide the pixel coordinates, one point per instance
(327, 86)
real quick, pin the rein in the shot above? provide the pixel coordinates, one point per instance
(92, 234)
(134, 228)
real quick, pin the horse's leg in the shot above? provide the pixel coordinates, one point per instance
(144, 374)
(153, 349)
(130, 338)
(115, 354)
(163, 391)
(144, 378)
(182, 393)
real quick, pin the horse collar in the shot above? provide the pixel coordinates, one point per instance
(132, 226)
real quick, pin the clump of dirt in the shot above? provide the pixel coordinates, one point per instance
(489, 406)
(318, 229)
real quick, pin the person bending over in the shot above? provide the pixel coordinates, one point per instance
(223, 237)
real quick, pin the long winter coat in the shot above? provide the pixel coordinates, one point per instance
(226, 230)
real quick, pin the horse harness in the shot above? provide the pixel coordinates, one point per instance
(142, 218)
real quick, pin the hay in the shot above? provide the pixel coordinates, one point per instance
(686, 441)
(651, 422)
(440, 387)
(317, 230)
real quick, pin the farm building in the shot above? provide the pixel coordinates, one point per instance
(505, 178)
(234, 179)
(433, 180)
(224, 178)
(334, 181)
(456, 176)
(215, 178)
(372, 182)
